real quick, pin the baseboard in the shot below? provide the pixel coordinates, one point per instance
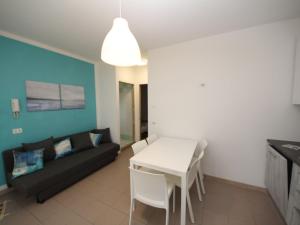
(237, 184)
(126, 146)
(3, 189)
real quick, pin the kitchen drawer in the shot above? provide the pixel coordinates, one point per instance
(297, 200)
(295, 217)
(293, 212)
(297, 172)
(295, 182)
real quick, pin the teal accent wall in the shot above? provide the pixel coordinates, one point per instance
(20, 62)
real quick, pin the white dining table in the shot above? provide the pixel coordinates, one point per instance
(168, 155)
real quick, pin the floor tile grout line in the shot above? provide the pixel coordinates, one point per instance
(69, 209)
(116, 209)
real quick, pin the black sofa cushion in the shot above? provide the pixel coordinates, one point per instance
(106, 138)
(47, 145)
(81, 141)
(61, 169)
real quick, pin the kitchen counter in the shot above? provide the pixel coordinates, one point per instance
(293, 155)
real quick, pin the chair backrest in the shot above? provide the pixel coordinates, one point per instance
(149, 188)
(151, 138)
(138, 146)
(201, 147)
(203, 144)
(192, 172)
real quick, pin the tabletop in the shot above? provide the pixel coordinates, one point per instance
(170, 155)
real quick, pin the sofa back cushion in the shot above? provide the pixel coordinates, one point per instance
(81, 141)
(106, 138)
(47, 145)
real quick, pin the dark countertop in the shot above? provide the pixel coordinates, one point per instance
(291, 154)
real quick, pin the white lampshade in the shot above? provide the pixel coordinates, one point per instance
(120, 47)
(142, 62)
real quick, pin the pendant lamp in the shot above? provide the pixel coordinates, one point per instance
(120, 48)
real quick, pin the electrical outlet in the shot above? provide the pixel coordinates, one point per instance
(17, 131)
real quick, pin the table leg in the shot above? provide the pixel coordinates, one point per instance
(131, 185)
(183, 199)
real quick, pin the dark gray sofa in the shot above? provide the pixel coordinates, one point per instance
(60, 173)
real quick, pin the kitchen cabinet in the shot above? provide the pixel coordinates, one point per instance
(276, 179)
(293, 212)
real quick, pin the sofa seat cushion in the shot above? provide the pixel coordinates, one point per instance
(60, 169)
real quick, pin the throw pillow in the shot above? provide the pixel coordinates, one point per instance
(47, 145)
(27, 162)
(106, 135)
(81, 141)
(63, 148)
(96, 138)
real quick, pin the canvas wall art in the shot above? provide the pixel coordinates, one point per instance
(42, 96)
(72, 97)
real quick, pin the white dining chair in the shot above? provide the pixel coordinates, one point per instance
(152, 138)
(151, 189)
(191, 178)
(199, 156)
(138, 146)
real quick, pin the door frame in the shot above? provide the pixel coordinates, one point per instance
(140, 109)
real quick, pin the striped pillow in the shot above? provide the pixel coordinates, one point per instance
(63, 148)
(96, 138)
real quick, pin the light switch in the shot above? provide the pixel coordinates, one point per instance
(17, 131)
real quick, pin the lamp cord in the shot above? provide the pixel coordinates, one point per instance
(120, 5)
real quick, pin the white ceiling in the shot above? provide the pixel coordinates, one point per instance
(79, 26)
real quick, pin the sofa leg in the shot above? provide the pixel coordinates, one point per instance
(38, 200)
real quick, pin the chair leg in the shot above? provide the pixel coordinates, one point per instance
(167, 216)
(198, 189)
(130, 213)
(174, 199)
(190, 206)
(133, 205)
(201, 182)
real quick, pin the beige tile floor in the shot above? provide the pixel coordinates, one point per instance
(103, 199)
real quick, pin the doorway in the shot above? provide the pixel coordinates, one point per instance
(126, 101)
(144, 110)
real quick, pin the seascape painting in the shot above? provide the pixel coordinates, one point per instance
(72, 97)
(42, 96)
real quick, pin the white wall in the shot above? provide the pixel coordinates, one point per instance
(246, 97)
(106, 99)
